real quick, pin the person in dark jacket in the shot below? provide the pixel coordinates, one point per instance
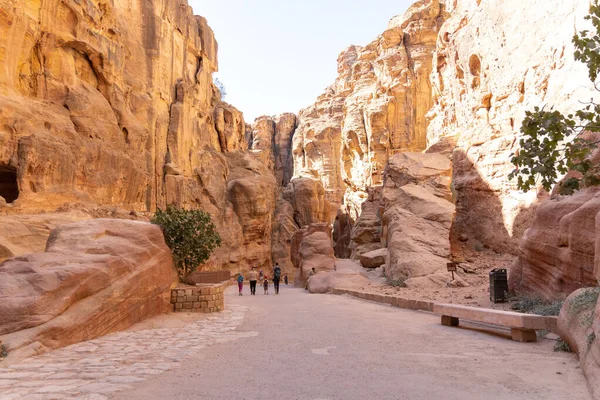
(276, 277)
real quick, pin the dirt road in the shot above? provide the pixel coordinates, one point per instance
(335, 347)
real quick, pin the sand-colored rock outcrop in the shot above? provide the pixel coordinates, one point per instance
(22, 234)
(240, 193)
(114, 104)
(579, 326)
(493, 61)
(273, 136)
(560, 253)
(345, 275)
(110, 93)
(376, 108)
(416, 214)
(373, 259)
(311, 247)
(408, 220)
(95, 277)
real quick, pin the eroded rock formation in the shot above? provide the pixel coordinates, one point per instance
(113, 104)
(560, 253)
(22, 234)
(96, 98)
(579, 325)
(95, 277)
(376, 108)
(346, 274)
(413, 217)
(311, 247)
(495, 60)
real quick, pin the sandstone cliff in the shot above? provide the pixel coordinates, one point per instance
(112, 103)
(376, 108)
(561, 251)
(493, 61)
(454, 77)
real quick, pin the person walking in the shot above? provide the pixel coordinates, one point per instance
(261, 276)
(276, 277)
(253, 277)
(285, 279)
(240, 281)
(266, 285)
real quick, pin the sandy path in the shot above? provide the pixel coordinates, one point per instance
(335, 347)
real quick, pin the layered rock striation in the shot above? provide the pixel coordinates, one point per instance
(560, 253)
(114, 104)
(95, 277)
(493, 61)
(376, 108)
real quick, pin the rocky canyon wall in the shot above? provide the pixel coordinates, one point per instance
(493, 61)
(376, 108)
(112, 103)
(453, 77)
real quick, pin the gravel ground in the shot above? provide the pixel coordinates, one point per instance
(302, 346)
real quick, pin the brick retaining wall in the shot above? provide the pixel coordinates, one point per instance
(206, 298)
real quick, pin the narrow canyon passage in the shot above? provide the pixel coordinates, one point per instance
(301, 346)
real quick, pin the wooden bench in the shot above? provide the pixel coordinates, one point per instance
(522, 326)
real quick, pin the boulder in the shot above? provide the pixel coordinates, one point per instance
(579, 326)
(373, 259)
(299, 236)
(366, 232)
(307, 196)
(560, 252)
(416, 215)
(95, 277)
(347, 274)
(22, 234)
(312, 247)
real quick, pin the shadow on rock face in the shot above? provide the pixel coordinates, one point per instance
(481, 218)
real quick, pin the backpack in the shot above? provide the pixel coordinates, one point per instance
(277, 272)
(240, 279)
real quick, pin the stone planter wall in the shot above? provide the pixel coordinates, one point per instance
(206, 298)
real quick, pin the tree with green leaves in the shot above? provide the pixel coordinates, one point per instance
(553, 144)
(191, 236)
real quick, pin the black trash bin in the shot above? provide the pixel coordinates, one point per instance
(498, 285)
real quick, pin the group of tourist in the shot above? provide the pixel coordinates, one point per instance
(254, 277)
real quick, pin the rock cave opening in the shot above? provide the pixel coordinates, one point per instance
(9, 189)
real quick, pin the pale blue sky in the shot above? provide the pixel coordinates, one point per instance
(277, 55)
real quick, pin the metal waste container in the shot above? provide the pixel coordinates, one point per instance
(498, 285)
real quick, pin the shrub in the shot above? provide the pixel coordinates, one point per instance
(191, 236)
(561, 345)
(3, 351)
(535, 305)
(591, 338)
(396, 282)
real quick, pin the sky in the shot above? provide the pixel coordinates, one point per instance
(278, 56)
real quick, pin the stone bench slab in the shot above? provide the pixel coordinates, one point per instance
(510, 319)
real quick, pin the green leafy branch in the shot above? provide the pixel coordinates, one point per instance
(552, 145)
